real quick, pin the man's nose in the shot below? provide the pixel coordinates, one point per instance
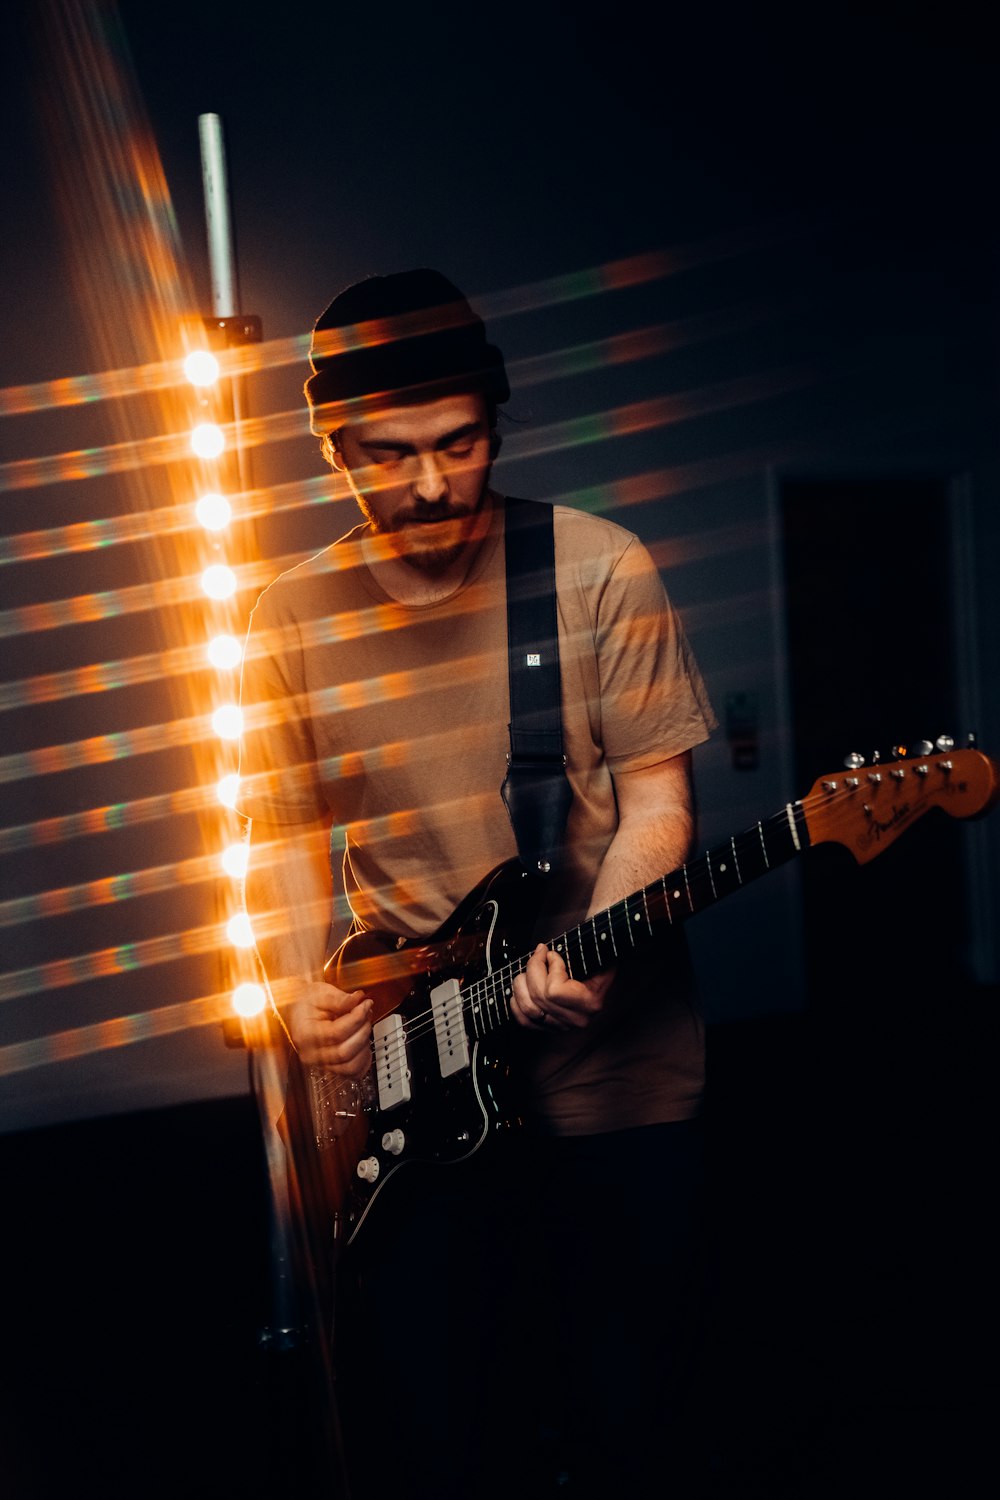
(430, 482)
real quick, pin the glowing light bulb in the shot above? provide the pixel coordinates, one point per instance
(227, 789)
(224, 652)
(214, 511)
(207, 440)
(249, 999)
(201, 367)
(227, 721)
(219, 581)
(235, 858)
(239, 931)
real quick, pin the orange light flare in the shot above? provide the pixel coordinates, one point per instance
(107, 891)
(134, 297)
(210, 938)
(121, 1031)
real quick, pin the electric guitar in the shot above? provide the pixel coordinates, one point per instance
(437, 1085)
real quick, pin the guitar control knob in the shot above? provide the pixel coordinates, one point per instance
(368, 1168)
(393, 1141)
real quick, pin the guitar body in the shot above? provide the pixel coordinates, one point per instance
(436, 1091)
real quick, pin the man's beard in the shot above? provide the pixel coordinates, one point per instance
(430, 555)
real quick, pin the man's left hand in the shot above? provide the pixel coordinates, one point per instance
(546, 998)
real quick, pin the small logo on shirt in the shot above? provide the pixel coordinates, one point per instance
(534, 659)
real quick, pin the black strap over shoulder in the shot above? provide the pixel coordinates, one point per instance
(536, 790)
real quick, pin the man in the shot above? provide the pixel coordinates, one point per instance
(492, 1337)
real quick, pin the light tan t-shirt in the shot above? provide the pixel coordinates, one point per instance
(393, 719)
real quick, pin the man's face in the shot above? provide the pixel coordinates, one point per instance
(419, 474)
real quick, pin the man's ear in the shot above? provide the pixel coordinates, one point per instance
(332, 453)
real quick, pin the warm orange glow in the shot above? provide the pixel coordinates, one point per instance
(214, 511)
(227, 789)
(234, 859)
(227, 721)
(208, 440)
(249, 1000)
(238, 930)
(224, 652)
(219, 581)
(201, 367)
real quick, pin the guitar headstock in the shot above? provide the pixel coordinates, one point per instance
(867, 806)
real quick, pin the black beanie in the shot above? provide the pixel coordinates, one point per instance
(410, 334)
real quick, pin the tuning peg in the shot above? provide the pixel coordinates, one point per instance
(923, 747)
(944, 743)
(972, 739)
(854, 761)
(899, 752)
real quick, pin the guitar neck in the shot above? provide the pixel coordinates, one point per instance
(608, 936)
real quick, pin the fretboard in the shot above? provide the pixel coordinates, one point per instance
(609, 936)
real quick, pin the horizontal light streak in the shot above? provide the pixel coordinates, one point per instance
(111, 889)
(166, 520)
(125, 958)
(109, 818)
(117, 458)
(144, 453)
(640, 343)
(80, 390)
(103, 677)
(663, 411)
(121, 1031)
(273, 353)
(634, 270)
(164, 593)
(98, 749)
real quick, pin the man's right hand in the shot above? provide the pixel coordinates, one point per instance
(331, 1028)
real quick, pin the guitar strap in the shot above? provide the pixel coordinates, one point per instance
(536, 789)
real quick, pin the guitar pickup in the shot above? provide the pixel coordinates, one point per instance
(392, 1074)
(449, 1028)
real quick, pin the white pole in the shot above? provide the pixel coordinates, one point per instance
(222, 263)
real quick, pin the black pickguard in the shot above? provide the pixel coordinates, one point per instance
(446, 1119)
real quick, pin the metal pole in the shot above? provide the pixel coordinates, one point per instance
(222, 262)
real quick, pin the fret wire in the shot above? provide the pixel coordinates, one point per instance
(611, 931)
(687, 886)
(666, 900)
(628, 922)
(711, 877)
(736, 860)
(583, 956)
(763, 845)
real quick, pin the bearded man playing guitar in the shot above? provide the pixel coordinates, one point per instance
(514, 1320)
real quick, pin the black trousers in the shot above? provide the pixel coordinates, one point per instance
(524, 1324)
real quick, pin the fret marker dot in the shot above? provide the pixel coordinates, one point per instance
(722, 869)
(603, 936)
(637, 916)
(677, 895)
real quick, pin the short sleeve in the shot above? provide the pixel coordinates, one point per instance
(654, 704)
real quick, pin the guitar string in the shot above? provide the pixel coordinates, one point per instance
(480, 990)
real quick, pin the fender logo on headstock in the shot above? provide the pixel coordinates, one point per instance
(875, 828)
